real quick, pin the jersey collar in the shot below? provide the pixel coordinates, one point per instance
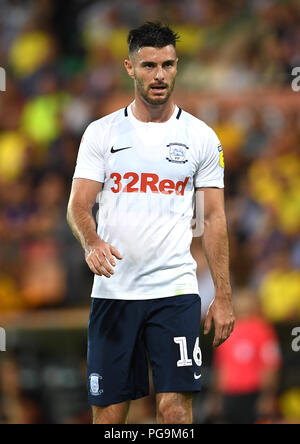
(128, 113)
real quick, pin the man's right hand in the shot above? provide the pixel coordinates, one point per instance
(100, 258)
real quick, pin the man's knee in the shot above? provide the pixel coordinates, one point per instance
(175, 409)
(113, 414)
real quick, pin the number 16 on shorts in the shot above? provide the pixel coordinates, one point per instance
(184, 360)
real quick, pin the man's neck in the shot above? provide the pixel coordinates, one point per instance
(145, 112)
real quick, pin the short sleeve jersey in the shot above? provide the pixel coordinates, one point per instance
(149, 173)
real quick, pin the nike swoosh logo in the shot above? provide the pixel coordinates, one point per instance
(120, 149)
(197, 376)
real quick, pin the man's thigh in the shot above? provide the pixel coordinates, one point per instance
(117, 368)
(173, 343)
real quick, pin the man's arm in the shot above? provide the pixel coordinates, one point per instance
(216, 248)
(98, 254)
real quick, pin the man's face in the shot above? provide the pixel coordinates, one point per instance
(154, 71)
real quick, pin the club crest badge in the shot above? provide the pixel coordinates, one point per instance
(177, 153)
(95, 389)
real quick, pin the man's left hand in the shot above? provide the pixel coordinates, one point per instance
(222, 316)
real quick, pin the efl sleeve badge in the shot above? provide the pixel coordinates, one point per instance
(222, 161)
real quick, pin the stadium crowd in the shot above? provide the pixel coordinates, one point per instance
(62, 70)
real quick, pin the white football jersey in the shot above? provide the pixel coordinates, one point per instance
(149, 171)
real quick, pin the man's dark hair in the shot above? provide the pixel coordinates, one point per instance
(153, 34)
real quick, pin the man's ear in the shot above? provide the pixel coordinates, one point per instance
(129, 68)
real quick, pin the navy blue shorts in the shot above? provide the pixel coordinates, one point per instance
(122, 334)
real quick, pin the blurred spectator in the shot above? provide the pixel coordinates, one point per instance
(30, 51)
(247, 366)
(15, 406)
(41, 119)
(280, 290)
(257, 138)
(290, 405)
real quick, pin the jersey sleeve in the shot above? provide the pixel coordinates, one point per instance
(210, 172)
(90, 160)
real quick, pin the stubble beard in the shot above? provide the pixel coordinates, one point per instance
(143, 92)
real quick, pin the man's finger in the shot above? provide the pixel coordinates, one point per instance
(105, 273)
(232, 327)
(217, 342)
(109, 257)
(92, 267)
(102, 271)
(224, 334)
(208, 324)
(227, 331)
(101, 263)
(105, 264)
(115, 252)
(220, 333)
(100, 268)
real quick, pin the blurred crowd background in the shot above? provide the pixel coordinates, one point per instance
(64, 68)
